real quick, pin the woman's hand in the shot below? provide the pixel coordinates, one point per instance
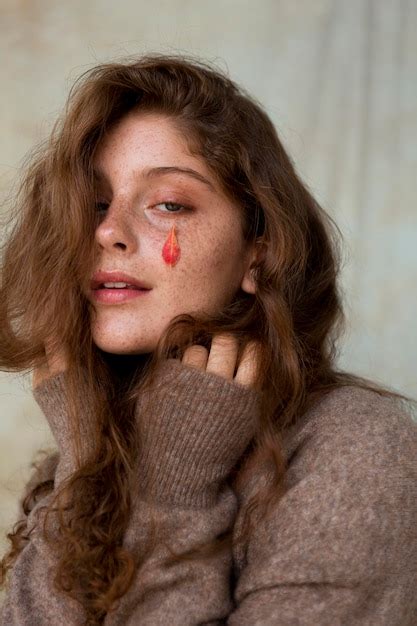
(197, 420)
(222, 359)
(56, 362)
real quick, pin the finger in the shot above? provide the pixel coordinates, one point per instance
(195, 356)
(223, 355)
(248, 365)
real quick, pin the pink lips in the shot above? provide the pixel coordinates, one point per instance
(114, 296)
(116, 277)
(137, 288)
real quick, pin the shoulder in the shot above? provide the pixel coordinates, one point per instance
(350, 431)
(352, 440)
(354, 425)
(351, 483)
(363, 406)
(347, 519)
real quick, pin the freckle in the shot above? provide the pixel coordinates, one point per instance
(171, 250)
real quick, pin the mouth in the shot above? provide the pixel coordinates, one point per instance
(115, 295)
(115, 287)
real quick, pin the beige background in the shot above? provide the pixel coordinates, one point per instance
(339, 81)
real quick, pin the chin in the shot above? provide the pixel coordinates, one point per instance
(114, 345)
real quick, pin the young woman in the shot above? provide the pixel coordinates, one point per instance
(173, 285)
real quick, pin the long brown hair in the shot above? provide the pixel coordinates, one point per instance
(296, 314)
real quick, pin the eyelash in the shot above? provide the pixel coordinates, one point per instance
(176, 204)
(101, 204)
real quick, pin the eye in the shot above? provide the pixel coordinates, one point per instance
(176, 206)
(101, 206)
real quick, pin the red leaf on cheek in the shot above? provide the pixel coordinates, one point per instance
(171, 250)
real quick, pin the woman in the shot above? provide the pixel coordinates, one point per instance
(174, 286)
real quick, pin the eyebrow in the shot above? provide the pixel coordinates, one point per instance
(164, 170)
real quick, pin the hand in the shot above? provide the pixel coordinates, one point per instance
(196, 422)
(222, 359)
(56, 362)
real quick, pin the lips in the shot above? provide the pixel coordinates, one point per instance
(117, 277)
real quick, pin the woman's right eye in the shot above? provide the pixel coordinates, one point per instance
(101, 206)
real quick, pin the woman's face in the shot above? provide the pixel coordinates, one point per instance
(138, 206)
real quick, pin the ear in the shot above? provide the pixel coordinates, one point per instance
(255, 255)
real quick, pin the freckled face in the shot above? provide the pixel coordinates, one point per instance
(138, 211)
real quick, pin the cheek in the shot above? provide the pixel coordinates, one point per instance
(208, 264)
(196, 255)
(171, 251)
(212, 250)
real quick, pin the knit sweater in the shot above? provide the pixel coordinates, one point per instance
(339, 548)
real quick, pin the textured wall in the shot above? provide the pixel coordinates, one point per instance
(338, 80)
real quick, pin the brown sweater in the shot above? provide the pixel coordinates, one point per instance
(340, 548)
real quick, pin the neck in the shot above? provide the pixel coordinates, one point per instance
(125, 366)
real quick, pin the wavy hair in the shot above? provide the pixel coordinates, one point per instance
(296, 314)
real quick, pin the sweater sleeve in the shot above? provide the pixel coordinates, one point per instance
(30, 598)
(201, 425)
(340, 549)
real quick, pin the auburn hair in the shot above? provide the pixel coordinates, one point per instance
(296, 314)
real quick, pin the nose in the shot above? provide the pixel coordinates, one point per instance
(115, 230)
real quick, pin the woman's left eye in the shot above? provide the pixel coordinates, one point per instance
(175, 205)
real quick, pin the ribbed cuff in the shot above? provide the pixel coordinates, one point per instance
(196, 430)
(52, 398)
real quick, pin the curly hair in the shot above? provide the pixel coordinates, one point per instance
(296, 314)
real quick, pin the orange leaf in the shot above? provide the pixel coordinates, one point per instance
(171, 250)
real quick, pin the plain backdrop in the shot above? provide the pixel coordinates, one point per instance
(338, 80)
